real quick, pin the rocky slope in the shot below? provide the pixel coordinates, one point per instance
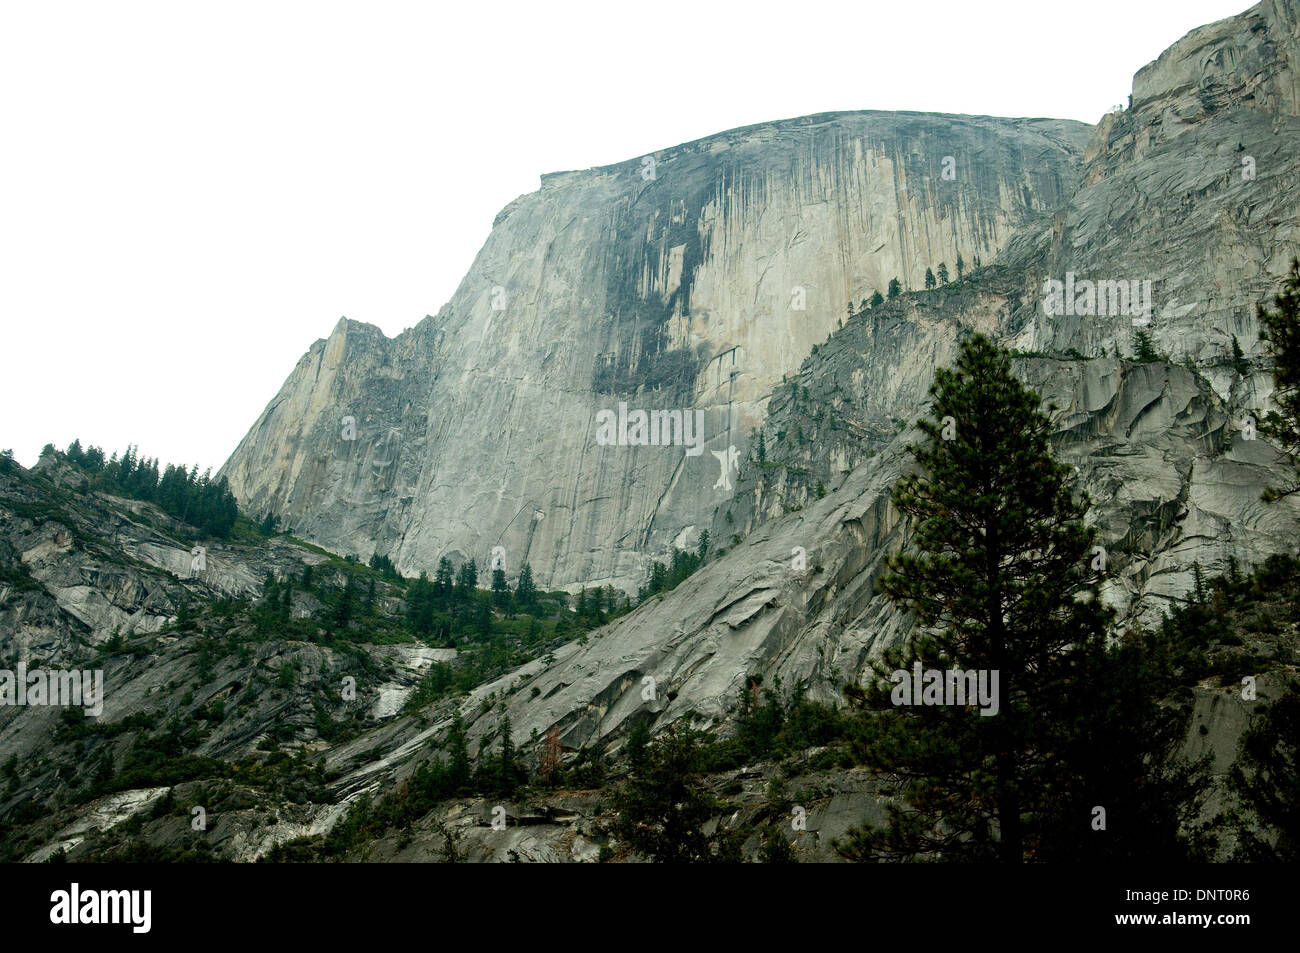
(95, 582)
(220, 739)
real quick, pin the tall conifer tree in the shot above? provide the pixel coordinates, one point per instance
(1002, 577)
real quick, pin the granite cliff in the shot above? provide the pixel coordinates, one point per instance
(1191, 189)
(697, 277)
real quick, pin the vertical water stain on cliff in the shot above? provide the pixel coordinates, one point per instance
(651, 266)
(918, 188)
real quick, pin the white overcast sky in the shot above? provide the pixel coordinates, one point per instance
(192, 194)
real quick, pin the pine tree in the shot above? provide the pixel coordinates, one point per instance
(929, 279)
(1144, 351)
(961, 266)
(1280, 330)
(343, 614)
(877, 299)
(942, 273)
(638, 738)
(419, 605)
(659, 578)
(664, 806)
(500, 590)
(443, 578)
(1239, 362)
(1000, 581)
(457, 747)
(895, 288)
(525, 589)
(126, 466)
(510, 770)
(466, 581)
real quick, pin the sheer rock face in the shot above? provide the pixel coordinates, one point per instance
(1163, 449)
(490, 415)
(693, 278)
